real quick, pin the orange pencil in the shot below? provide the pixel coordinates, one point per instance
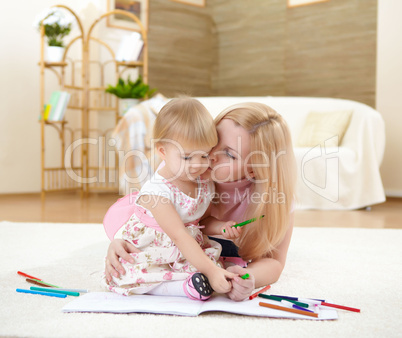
(288, 309)
(258, 292)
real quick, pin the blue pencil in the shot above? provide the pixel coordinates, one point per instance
(301, 308)
(289, 303)
(43, 293)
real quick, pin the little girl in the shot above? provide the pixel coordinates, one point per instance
(164, 225)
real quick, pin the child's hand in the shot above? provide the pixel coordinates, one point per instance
(118, 248)
(228, 231)
(218, 278)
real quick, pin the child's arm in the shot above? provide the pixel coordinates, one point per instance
(118, 248)
(165, 214)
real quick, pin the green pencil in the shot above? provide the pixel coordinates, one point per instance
(245, 276)
(68, 293)
(244, 223)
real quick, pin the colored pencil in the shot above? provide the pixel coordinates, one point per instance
(278, 299)
(50, 294)
(301, 308)
(286, 297)
(340, 307)
(245, 276)
(303, 300)
(281, 308)
(260, 291)
(292, 305)
(310, 301)
(37, 282)
(40, 282)
(68, 293)
(315, 301)
(26, 275)
(305, 305)
(46, 284)
(244, 223)
(70, 290)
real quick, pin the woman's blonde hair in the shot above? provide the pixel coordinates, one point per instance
(186, 121)
(274, 167)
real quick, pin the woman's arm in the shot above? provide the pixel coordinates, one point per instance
(215, 227)
(263, 271)
(268, 270)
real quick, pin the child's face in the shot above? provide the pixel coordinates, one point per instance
(184, 163)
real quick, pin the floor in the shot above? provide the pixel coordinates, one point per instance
(70, 208)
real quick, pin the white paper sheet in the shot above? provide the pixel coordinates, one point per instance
(182, 306)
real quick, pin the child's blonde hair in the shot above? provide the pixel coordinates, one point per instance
(186, 121)
(274, 183)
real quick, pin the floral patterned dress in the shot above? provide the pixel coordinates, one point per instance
(160, 260)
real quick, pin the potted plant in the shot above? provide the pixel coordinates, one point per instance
(57, 25)
(130, 93)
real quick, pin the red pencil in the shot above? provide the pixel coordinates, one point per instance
(26, 275)
(340, 307)
(260, 291)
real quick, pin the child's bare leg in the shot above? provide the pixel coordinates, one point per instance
(171, 288)
(196, 287)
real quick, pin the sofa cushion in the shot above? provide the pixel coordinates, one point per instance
(324, 128)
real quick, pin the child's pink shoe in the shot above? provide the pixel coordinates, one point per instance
(197, 287)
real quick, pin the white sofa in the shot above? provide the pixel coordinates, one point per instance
(344, 177)
(329, 178)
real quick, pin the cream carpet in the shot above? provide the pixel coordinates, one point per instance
(354, 267)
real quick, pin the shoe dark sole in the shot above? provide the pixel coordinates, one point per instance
(201, 284)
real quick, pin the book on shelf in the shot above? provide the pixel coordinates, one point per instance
(54, 98)
(58, 104)
(130, 47)
(46, 111)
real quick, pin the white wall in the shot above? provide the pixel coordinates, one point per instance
(389, 91)
(19, 91)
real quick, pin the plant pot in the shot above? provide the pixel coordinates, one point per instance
(54, 54)
(126, 104)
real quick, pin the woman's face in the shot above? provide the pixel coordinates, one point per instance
(227, 158)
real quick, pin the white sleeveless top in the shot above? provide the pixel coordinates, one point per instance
(188, 208)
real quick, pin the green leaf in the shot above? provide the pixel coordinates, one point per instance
(130, 90)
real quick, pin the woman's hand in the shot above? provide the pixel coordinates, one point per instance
(241, 288)
(230, 232)
(118, 248)
(218, 278)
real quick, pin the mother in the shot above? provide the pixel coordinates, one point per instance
(254, 170)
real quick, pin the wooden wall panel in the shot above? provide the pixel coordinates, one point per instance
(181, 48)
(331, 50)
(261, 47)
(250, 47)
